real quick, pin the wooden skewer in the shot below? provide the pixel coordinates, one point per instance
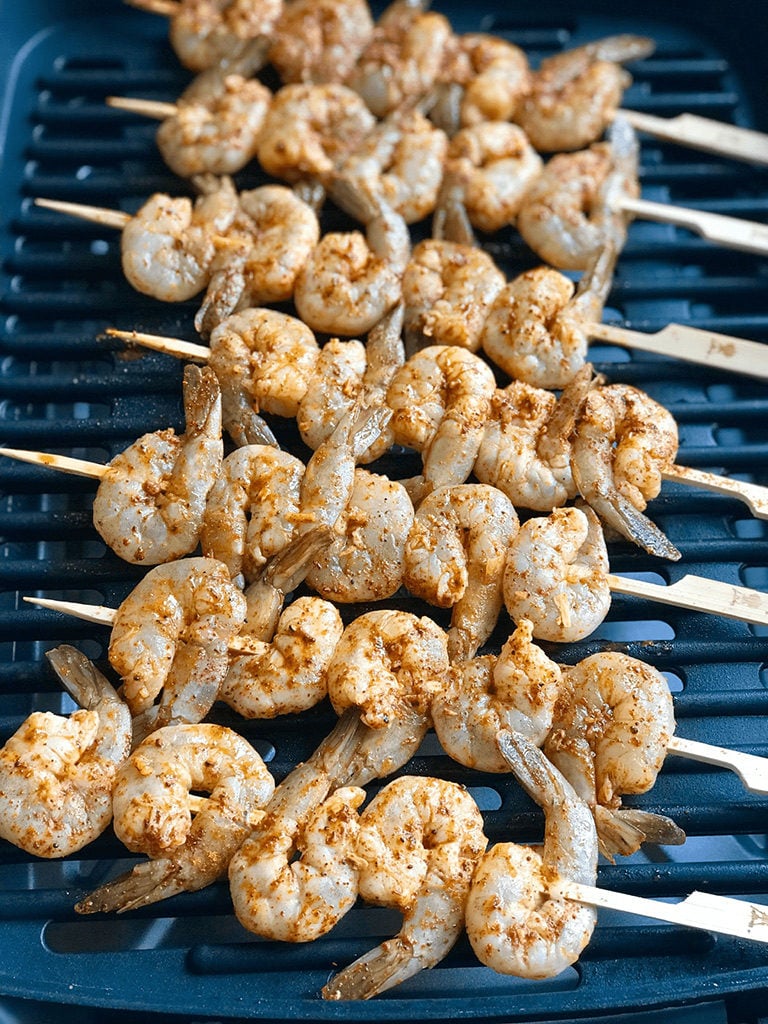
(703, 133)
(752, 770)
(156, 109)
(699, 594)
(753, 495)
(79, 467)
(166, 8)
(721, 351)
(97, 214)
(731, 232)
(171, 346)
(722, 914)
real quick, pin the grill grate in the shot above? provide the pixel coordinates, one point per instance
(63, 389)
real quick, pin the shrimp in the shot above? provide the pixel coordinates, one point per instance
(57, 772)
(153, 813)
(286, 675)
(440, 399)
(491, 165)
(172, 634)
(572, 210)
(515, 690)
(150, 502)
(168, 245)
(622, 442)
(419, 842)
(454, 558)
(252, 509)
(309, 129)
(514, 925)
(402, 161)
(349, 282)
(263, 359)
(267, 244)
(208, 33)
(319, 41)
(612, 724)
(575, 94)
(526, 450)
(401, 62)
(556, 575)
(448, 290)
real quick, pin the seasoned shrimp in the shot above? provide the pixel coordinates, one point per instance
(419, 842)
(309, 129)
(401, 62)
(263, 360)
(172, 634)
(207, 33)
(153, 812)
(440, 401)
(448, 289)
(267, 244)
(402, 161)
(454, 558)
(349, 282)
(556, 575)
(287, 674)
(526, 449)
(319, 41)
(569, 212)
(252, 508)
(492, 165)
(575, 94)
(150, 503)
(515, 690)
(168, 245)
(514, 925)
(612, 724)
(57, 772)
(622, 441)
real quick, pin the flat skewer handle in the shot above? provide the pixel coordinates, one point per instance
(752, 770)
(753, 495)
(721, 351)
(701, 595)
(64, 463)
(731, 232)
(703, 133)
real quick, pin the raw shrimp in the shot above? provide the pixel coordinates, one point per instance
(150, 503)
(575, 94)
(401, 62)
(57, 772)
(267, 244)
(168, 245)
(572, 209)
(454, 558)
(448, 290)
(207, 33)
(419, 842)
(622, 442)
(319, 41)
(172, 634)
(440, 401)
(612, 724)
(154, 812)
(556, 575)
(252, 509)
(309, 129)
(526, 450)
(515, 690)
(402, 162)
(287, 674)
(387, 668)
(514, 925)
(483, 78)
(491, 165)
(263, 360)
(349, 282)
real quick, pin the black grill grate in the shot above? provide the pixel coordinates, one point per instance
(64, 389)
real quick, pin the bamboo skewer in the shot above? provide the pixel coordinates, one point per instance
(159, 110)
(753, 495)
(700, 595)
(702, 133)
(752, 770)
(731, 232)
(65, 464)
(96, 214)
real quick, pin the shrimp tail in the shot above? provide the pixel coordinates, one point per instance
(624, 831)
(384, 967)
(624, 47)
(146, 883)
(80, 677)
(622, 515)
(202, 395)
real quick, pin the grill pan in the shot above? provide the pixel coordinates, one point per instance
(64, 389)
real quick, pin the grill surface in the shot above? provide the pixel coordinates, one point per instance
(65, 389)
